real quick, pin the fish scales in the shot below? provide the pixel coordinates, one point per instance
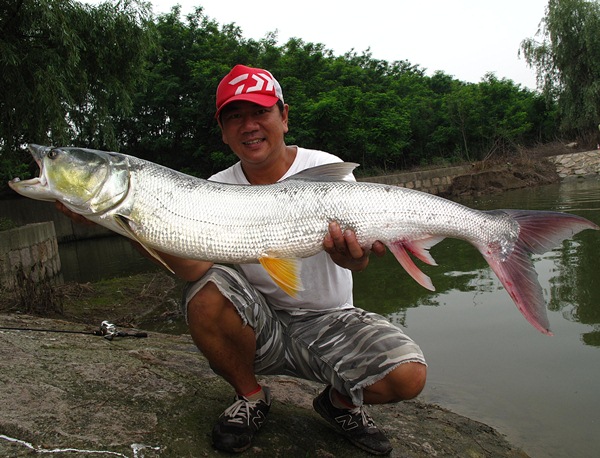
(167, 211)
(289, 219)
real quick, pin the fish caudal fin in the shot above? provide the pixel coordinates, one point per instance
(285, 273)
(539, 231)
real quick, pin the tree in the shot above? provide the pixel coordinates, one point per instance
(567, 61)
(67, 71)
(173, 121)
(115, 77)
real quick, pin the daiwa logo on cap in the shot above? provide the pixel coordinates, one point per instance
(260, 79)
(248, 84)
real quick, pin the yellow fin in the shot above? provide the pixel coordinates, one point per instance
(285, 273)
(123, 222)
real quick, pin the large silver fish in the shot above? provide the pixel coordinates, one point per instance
(276, 224)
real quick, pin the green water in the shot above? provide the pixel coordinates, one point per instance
(485, 360)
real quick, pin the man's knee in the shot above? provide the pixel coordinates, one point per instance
(208, 306)
(405, 382)
(411, 380)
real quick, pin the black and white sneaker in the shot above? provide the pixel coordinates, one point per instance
(239, 423)
(355, 424)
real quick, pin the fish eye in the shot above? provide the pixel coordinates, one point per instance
(52, 154)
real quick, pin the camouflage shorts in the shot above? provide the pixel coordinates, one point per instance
(347, 348)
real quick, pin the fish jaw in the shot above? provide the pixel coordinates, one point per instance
(88, 182)
(35, 188)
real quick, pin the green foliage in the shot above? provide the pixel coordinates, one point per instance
(567, 59)
(115, 77)
(6, 224)
(67, 71)
(492, 116)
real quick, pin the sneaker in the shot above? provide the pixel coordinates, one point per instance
(355, 424)
(239, 423)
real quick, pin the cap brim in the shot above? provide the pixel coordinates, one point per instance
(260, 99)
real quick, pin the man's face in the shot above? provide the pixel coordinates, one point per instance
(253, 132)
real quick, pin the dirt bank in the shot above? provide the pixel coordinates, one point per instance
(80, 394)
(500, 176)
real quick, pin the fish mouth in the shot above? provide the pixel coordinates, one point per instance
(37, 152)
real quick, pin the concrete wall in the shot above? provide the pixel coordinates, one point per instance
(433, 181)
(30, 249)
(577, 164)
(438, 181)
(24, 211)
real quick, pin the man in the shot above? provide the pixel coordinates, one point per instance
(246, 325)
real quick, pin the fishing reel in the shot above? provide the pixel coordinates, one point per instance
(109, 332)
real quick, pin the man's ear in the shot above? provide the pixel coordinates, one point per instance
(285, 117)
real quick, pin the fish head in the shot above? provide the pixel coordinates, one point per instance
(87, 181)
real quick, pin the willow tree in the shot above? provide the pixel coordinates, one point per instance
(566, 54)
(67, 70)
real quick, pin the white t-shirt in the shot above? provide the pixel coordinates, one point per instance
(326, 285)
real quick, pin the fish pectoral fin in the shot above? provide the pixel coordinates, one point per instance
(285, 273)
(124, 223)
(399, 250)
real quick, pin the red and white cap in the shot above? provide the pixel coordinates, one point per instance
(248, 84)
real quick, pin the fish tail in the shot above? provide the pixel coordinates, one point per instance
(539, 231)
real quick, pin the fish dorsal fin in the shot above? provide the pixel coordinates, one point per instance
(123, 223)
(336, 171)
(285, 273)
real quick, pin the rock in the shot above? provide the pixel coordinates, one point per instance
(157, 397)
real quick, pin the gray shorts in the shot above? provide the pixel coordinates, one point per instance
(347, 348)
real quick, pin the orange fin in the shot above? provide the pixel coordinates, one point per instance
(405, 261)
(285, 273)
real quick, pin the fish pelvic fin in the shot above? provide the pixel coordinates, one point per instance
(539, 231)
(124, 223)
(285, 273)
(419, 248)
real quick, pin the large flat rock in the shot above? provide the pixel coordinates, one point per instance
(81, 395)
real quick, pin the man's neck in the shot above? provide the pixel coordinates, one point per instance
(272, 172)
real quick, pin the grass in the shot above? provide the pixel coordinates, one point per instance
(131, 301)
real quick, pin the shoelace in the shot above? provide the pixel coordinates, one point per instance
(239, 411)
(365, 417)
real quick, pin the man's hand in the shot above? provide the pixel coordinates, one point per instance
(345, 250)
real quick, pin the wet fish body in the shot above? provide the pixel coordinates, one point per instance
(276, 224)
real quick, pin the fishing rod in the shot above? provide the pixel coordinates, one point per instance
(107, 330)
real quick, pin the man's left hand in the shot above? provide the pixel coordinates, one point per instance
(345, 251)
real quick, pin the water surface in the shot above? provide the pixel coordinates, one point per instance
(485, 360)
